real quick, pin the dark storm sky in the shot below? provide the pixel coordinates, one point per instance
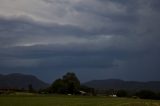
(96, 39)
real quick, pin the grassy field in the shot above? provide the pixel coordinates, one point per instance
(72, 101)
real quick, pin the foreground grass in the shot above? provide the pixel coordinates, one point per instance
(72, 101)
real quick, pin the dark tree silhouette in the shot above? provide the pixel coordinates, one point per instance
(30, 88)
(58, 86)
(122, 93)
(72, 82)
(146, 94)
(68, 84)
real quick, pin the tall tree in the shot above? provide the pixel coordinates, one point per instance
(30, 88)
(72, 82)
(68, 84)
(58, 86)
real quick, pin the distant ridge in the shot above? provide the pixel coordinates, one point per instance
(20, 81)
(120, 84)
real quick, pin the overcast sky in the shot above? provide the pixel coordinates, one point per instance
(96, 39)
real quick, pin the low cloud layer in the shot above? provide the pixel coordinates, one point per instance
(97, 39)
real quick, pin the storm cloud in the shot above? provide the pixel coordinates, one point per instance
(97, 39)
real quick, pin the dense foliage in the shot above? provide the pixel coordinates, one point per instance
(148, 94)
(122, 93)
(69, 84)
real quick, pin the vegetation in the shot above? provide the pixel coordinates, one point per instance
(58, 100)
(69, 84)
(147, 94)
(122, 93)
(30, 88)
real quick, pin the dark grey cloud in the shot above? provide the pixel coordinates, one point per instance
(97, 39)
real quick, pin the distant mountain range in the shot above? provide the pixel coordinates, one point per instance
(21, 81)
(126, 85)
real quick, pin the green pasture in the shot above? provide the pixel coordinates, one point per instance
(32, 100)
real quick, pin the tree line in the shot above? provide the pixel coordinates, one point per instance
(68, 84)
(143, 94)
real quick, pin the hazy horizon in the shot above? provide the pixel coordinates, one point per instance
(96, 39)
